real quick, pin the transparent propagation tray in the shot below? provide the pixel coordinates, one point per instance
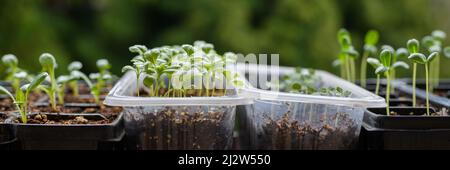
(279, 120)
(175, 122)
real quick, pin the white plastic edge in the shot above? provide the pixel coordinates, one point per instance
(360, 98)
(115, 98)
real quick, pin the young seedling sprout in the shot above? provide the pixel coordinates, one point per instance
(11, 61)
(386, 67)
(139, 63)
(100, 78)
(420, 58)
(49, 64)
(73, 83)
(370, 49)
(413, 48)
(433, 43)
(21, 98)
(347, 55)
(375, 63)
(62, 83)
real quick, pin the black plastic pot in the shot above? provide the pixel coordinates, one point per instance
(400, 102)
(69, 137)
(405, 131)
(435, 100)
(7, 133)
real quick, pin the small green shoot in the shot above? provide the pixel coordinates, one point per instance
(49, 64)
(21, 98)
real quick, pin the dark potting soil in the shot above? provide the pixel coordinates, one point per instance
(6, 104)
(84, 89)
(69, 98)
(286, 133)
(107, 111)
(169, 129)
(65, 120)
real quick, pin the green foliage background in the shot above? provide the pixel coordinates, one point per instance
(303, 32)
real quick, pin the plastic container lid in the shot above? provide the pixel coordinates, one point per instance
(120, 95)
(359, 98)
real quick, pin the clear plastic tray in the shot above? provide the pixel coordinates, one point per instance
(279, 120)
(175, 123)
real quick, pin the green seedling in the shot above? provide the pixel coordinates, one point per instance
(62, 82)
(433, 43)
(347, 56)
(49, 64)
(370, 49)
(11, 62)
(73, 83)
(375, 63)
(21, 97)
(139, 64)
(92, 86)
(386, 67)
(413, 48)
(420, 58)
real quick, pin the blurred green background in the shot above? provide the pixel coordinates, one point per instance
(303, 32)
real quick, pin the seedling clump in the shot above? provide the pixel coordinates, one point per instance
(183, 71)
(418, 58)
(386, 67)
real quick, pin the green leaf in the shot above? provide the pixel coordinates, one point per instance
(103, 64)
(447, 52)
(371, 49)
(36, 81)
(343, 33)
(371, 37)
(140, 49)
(400, 64)
(387, 47)
(375, 63)
(435, 48)
(47, 61)
(381, 69)
(79, 74)
(439, 35)
(149, 80)
(296, 86)
(152, 55)
(413, 46)
(428, 41)
(352, 52)
(10, 60)
(63, 79)
(432, 56)
(76, 65)
(401, 53)
(386, 57)
(189, 49)
(127, 68)
(418, 58)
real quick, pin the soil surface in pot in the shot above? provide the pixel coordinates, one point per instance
(107, 111)
(65, 120)
(83, 88)
(6, 104)
(287, 133)
(69, 98)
